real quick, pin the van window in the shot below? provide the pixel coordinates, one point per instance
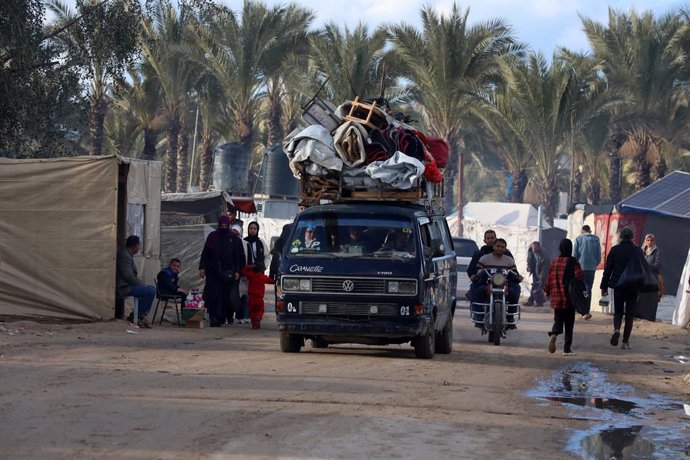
(351, 235)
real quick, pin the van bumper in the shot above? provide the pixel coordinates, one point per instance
(347, 327)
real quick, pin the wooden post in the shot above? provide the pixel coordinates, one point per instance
(460, 197)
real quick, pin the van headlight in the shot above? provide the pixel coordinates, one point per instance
(401, 287)
(296, 284)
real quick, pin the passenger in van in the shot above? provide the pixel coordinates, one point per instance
(356, 242)
(310, 240)
(498, 259)
(399, 240)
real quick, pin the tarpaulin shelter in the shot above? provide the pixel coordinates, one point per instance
(186, 221)
(63, 220)
(662, 208)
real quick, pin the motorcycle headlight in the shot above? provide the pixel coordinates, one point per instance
(498, 280)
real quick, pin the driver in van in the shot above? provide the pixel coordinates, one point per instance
(499, 259)
(399, 240)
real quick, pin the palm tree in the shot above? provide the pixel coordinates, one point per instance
(640, 58)
(354, 62)
(139, 96)
(161, 49)
(103, 52)
(449, 63)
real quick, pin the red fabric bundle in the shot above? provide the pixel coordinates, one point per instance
(431, 171)
(439, 149)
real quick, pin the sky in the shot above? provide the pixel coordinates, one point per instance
(542, 24)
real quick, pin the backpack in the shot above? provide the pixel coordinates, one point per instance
(575, 290)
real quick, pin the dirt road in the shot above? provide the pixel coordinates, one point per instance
(97, 391)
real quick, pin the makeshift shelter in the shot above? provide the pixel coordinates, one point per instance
(63, 221)
(517, 223)
(662, 208)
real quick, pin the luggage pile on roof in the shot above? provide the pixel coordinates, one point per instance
(361, 146)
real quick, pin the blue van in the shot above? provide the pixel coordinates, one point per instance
(366, 272)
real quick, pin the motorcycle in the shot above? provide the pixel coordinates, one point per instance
(497, 316)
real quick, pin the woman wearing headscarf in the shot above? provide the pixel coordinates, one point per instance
(648, 302)
(258, 251)
(221, 261)
(556, 287)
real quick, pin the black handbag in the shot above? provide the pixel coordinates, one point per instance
(575, 289)
(637, 275)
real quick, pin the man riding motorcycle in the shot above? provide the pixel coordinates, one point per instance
(488, 248)
(497, 259)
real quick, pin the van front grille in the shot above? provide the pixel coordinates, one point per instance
(339, 285)
(348, 309)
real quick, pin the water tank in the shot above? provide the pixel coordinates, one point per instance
(278, 178)
(231, 168)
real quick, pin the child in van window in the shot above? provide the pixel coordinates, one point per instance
(257, 288)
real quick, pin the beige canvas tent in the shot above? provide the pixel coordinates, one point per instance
(63, 220)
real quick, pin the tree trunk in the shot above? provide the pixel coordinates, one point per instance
(275, 114)
(170, 162)
(182, 158)
(661, 167)
(150, 140)
(519, 184)
(615, 177)
(99, 107)
(642, 167)
(205, 164)
(577, 187)
(594, 195)
(548, 197)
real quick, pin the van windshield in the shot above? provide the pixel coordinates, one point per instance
(351, 235)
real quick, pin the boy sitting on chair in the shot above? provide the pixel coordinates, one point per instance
(168, 279)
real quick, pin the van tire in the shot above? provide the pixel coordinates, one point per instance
(444, 339)
(424, 344)
(290, 343)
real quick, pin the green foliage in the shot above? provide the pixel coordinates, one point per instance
(40, 107)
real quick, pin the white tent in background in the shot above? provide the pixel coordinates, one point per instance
(517, 223)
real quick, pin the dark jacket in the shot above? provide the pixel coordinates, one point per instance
(167, 282)
(278, 250)
(616, 262)
(226, 256)
(654, 260)
(486, 249)
(126, 273)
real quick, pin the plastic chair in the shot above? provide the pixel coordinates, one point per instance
(165, 298)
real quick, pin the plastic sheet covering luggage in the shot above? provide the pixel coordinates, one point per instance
(401, 171)
(313, 144)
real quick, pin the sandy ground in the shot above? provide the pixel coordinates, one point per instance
(98, 391)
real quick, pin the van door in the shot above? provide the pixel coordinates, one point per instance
(436, 269)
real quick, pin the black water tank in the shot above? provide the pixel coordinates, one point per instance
(231, 168)
(278, 178)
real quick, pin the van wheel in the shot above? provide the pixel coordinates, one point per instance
(291, 343)
(319, 343)
(424, 345)
(444, 339)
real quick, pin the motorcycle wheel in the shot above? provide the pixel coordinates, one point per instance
(498, 324)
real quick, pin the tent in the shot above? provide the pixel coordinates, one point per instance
(517, 223)
(662, 208)
(63, 221)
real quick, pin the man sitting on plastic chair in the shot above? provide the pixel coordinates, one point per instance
(168, 289)
(129, 285)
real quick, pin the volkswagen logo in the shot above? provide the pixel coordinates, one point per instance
(348, 286)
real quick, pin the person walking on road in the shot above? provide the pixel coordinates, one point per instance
(587, 251)
(556, 285)
(538, 267)
(624, 297)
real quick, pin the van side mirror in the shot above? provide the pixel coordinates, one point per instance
(438, 249)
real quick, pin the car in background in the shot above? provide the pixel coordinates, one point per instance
(464, 249)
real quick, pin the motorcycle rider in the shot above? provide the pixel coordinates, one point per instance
(488, 248)
(499, 259)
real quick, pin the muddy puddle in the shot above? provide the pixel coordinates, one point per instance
(624, 424)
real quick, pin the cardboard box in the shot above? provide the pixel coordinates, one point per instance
(194, 317)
